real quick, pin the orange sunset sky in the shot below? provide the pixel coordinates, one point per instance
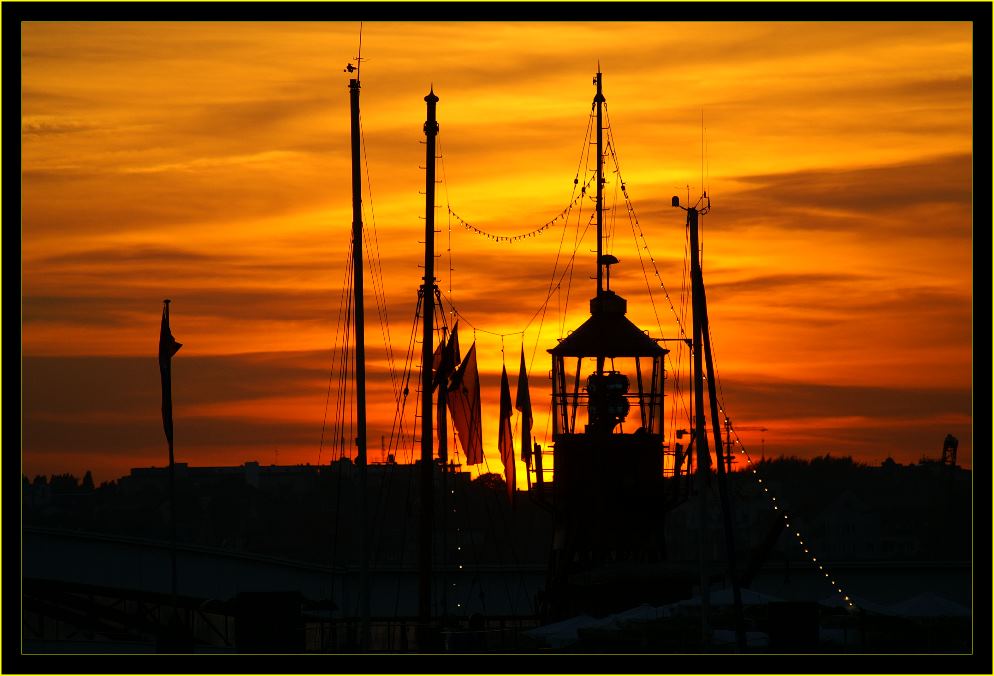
(209, 163)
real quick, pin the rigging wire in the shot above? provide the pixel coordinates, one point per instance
(445, 183)
(340, 366)
(396, 438)
(585, 162)
(612, 224)
(396, 428)
(685, 297)
(645, 244)
(634, 222)
(376, 266)
(341, 394)
(346, 288)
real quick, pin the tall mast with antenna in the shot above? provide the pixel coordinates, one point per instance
(700, 430)
(702, 352)
(360, 353)
(599, 103)
(428, 317)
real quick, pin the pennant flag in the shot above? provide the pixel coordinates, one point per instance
(445, 358)
(443, 365)
(464, 407)
(523, 402)
(167, 348)
(505, 442)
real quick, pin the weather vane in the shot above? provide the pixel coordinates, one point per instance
(349, 68)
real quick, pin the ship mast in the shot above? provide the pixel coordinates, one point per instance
(700, 431)
(360, 365)
(599, 103)
(608, 480)
(702, 338)
(428, 316)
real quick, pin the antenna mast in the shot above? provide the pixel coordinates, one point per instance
(428, 317)
(360, 354)
(599, 103)
(702, 339)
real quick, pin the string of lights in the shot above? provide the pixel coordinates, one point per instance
(552, 291)
(778, 507)
(806, 547)
(738, 442)
(476, 328)
(562, 216)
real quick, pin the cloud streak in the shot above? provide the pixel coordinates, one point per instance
(209, 163)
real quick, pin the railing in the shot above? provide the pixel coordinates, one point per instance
(497, 634)
(643, 409)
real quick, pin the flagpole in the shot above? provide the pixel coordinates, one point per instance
(167, 348)
(172, 478)
(172, 523)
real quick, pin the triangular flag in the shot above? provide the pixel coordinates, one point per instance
(523, 402)
(505, 441)
(445, 358)
(464, 406)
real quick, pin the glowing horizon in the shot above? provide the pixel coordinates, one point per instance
(209, 163)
